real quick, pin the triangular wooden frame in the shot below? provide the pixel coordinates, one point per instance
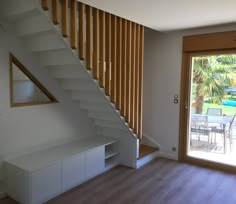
(51, 98)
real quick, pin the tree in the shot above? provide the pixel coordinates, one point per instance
(211, 74)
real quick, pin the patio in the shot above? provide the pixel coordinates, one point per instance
(214, 151)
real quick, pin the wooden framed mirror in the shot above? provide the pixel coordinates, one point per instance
(25, 89)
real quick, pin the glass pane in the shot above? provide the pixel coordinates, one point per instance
(25, 88)
(212, 125)
(25, 91)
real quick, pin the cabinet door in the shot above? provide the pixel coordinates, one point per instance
(46, 183)
(73, 171)
(95, 161)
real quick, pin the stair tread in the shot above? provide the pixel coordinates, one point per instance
(145, 150)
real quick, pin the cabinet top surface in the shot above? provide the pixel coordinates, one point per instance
(37, 160)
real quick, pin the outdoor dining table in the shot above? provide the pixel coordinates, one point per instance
(221, 120)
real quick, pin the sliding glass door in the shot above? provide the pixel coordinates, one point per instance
(211, 131)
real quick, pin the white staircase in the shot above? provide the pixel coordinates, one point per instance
(2, 190)
(44, 39)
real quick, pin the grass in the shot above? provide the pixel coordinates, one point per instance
(227, 110)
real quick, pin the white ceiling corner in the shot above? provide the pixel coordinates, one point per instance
(167, 15)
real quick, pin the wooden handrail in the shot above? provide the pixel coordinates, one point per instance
(113, 50)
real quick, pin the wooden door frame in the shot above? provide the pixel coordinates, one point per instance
(214, 43)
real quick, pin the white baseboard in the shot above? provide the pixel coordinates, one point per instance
(168, 156)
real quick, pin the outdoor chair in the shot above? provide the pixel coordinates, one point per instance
(229, 132)
(214, 111)
(199, 127)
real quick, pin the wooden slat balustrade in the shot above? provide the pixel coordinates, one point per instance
(113, 58)
(45, 4)
(113, 50)
(123, 67)
(132, 88)
(64, 18)
(136, 117)
(108, 55)
(119, 63)
(128, 72)
(141, 57)
(89, 56)
(73, 26)
(102, 46)
(55, 11)
(81, 31)
(95, 43)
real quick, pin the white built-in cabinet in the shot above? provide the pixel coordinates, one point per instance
(95, 161)
(37, 177)
(73, 171)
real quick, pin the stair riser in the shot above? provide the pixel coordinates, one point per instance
(103, 116)
(58, 57)
(68, 73)
(15, 12)
(95, 107)
(46, 42)
(76, 85)
(33, 26)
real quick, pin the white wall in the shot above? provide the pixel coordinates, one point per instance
(26, 129)
(162, 72)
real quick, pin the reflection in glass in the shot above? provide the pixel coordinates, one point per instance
(25, 88)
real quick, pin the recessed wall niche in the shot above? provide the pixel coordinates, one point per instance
(25, 89)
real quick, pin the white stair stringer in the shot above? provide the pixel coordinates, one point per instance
(45, 40)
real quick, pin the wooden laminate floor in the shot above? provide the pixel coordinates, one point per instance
(162, 181)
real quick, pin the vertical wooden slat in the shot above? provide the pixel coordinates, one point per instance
(123, 67)
(108, 55)
(89, 43)
(45, 5)
(133, 71)
(102, 48)
(95, 43)
(141, 81)
(81, 31)
(128, 71)
(137, 61)
(64, 18)
(73, 27)
(113, 57)
(119, 63)
(55, 11)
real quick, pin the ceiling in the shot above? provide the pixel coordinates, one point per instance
(167, 15)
